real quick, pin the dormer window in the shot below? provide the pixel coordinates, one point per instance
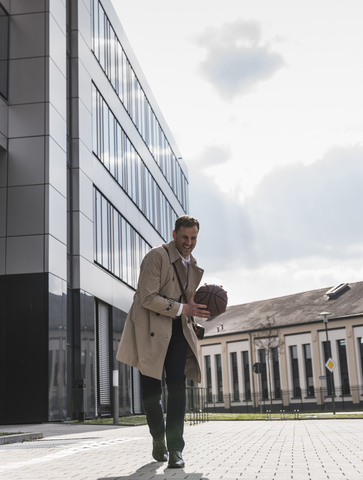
(334, 291)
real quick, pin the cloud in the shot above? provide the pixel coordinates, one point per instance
(300, 230)
(223, 222)
(283, 278)
(298, 210)
(237, 58)
(213, 155)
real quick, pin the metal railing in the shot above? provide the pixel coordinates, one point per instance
(196, 411)
(288, 400)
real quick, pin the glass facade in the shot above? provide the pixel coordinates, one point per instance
(295, 371)
(119, 248)
(112, 58)
(57, 354)
(235, 376)
(309, 370)
(4, 52)
(115, 151)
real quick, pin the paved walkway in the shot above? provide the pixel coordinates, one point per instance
(262, 450)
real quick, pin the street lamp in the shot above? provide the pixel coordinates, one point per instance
(325, 320)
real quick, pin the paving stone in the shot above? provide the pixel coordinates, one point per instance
(306, 450)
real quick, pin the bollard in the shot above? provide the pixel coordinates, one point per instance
(115, 396)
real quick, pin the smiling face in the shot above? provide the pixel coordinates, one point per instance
(185, 240)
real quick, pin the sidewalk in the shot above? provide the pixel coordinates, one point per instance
(262, 450)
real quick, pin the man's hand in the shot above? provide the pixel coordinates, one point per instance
(193, 309)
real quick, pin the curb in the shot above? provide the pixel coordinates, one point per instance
(19, 437)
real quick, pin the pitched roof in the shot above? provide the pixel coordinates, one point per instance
(294, 309)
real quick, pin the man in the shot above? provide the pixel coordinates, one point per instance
(159, 335)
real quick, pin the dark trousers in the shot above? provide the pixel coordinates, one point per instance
(175, 380)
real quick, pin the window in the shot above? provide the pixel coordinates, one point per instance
(329, 375)
(235, 376)
(309, 371)
(118, 247)
(218, 360)
(4, 52)
(344, 375)
(113, 148)
(276, 371)
(208, 376)
(360, 349)
(114, 62)
(295, 372)
(246, 375)
(262, 356)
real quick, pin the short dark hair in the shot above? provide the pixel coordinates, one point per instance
(186, 221)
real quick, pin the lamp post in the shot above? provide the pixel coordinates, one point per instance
(325, 320)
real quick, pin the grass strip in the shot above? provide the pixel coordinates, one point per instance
(135, 420)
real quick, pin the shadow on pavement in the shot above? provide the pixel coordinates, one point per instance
(149, 471)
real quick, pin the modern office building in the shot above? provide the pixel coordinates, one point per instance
(90, 180)
(274, 354)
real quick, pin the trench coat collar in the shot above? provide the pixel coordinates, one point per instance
(174, 254)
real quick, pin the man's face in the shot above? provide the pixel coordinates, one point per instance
(185, 240)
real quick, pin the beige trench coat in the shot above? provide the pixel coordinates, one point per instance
(148, 326)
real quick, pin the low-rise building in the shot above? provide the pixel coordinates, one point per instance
(273, 353)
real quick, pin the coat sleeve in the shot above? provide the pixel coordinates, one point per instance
(150, 285)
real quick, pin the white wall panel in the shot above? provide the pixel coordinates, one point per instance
(56, 257)
(26, 161)
(26, 120)
(25, 254)
(56, 216)
(2, 255)
(26, 210)
(56, 166)
(27, 83)
(27, 35)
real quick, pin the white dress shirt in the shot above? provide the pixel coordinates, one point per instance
(186, 261)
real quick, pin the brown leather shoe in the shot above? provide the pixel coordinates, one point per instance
(159, 453)
(176, 459)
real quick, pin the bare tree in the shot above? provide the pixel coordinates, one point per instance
(267, 339)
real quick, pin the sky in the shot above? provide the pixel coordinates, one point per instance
(265, 101)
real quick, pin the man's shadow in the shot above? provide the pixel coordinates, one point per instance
(149, 471)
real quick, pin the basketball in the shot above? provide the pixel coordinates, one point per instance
(214, 296)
